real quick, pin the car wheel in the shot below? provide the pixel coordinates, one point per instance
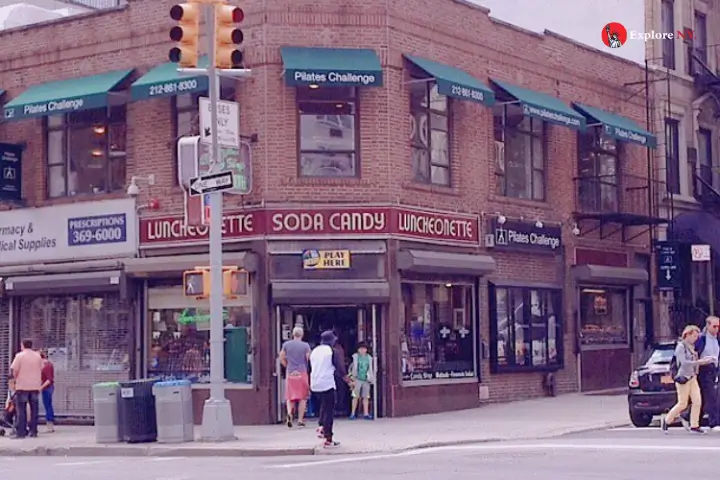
(641, 420)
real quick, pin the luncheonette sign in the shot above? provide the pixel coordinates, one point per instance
(68, 232)
(371, 221)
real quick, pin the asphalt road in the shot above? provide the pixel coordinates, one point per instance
(630, 454)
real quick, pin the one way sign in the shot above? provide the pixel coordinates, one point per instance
(216, 182)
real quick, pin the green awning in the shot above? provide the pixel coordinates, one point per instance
(454, 82)
(331, 67)
(543, 106)
(65, 96)
(165, 81)
(616, 126)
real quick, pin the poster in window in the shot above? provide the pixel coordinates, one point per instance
(459, 319)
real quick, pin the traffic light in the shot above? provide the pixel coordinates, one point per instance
(235, 283)
(228, 36)
(196, 283)
(186, 34)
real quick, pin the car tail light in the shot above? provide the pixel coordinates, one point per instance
(634, 381)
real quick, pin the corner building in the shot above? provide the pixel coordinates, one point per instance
(469, 199)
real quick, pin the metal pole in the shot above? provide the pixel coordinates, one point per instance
(217, 422)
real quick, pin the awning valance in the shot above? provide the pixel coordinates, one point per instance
(542, 106)
(65, 283)
(329, 292)
(331, 67)
(430, 261)
(176, 264)
(454, 82)
(65, 96)
(617, 126)
(602, 275)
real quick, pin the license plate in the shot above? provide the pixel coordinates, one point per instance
(666, 379)
(127, 393)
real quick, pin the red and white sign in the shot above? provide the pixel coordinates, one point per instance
(354, 221)
(700, 253)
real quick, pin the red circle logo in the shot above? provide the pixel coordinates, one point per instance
(614, 35)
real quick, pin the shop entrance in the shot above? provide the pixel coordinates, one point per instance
(352, 325)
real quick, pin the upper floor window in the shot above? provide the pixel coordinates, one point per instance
(667, 18)
(86, 152)
(700, 37)
(328, 139)
(672, 155)
(519, 153)
(429, 135)
(186, 117)
(598, 172)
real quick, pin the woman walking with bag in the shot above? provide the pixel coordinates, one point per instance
(686, 382)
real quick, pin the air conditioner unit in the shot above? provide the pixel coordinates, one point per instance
(500, 154)
(489, 240)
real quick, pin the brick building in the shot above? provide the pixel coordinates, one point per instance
(492, 242)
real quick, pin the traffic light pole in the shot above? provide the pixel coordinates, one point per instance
(217, 424)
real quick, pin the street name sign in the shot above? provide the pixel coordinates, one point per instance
(216, 182)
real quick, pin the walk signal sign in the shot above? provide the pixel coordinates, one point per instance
(186, 34)
(196, 283)
(228, 36)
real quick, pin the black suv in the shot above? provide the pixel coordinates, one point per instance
(652, 389)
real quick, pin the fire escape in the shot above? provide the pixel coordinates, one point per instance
(702, 226)
(707, 81)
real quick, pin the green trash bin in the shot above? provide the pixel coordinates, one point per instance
(236, 354)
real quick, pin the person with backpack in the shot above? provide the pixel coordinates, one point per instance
(686, 382)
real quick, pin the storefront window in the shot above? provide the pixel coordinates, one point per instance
(526, 328)
(603, 316)
(180, 339)
(437, 339)
(87, 337)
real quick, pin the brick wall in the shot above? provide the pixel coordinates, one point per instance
(449, 31)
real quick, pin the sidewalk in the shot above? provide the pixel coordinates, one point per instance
(540, 418)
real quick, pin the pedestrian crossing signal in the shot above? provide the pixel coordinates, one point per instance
(196, 283)
(235, 283)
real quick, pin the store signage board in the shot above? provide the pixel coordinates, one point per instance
(68, 232)
(326, 259)
(514, 234)
(350, 221)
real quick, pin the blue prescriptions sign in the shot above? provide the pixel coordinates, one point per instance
(98, 229)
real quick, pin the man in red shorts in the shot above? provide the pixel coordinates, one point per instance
(294, 356)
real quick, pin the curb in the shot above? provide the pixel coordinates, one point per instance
(124, 450)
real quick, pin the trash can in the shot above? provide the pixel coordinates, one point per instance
(174, 412)
(105, 406)
(137, 411)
